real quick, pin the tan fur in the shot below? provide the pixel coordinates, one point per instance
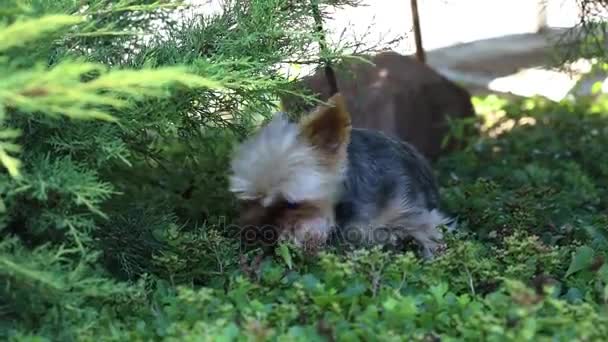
(279, 162)
(318, 152)
(307, 225)
(398, 220)
(296, 224)
(328, 130)
(391, 213)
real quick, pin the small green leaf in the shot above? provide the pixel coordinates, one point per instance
(310, 282)
(229, 333)
(390, 304)
(286, 255)
(354, 290)
(583, 257)
(574, 295)
(439, 291)
(11, 164)
(596, 88)
(10, 134)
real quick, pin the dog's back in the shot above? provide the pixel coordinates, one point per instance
(380, 168)
(389, 192)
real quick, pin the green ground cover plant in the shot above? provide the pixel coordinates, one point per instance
(114, 198)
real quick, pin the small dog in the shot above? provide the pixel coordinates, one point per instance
(321, 178)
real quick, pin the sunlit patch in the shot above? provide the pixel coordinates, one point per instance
(528, 120)
(507, 125)
(551, 84)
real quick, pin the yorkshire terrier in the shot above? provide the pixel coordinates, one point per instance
(320, 178)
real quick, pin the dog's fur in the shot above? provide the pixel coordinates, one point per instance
(321, 177)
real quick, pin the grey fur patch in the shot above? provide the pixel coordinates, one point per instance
(381, 172)
(380, 168)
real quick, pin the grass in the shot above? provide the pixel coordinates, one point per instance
(527, 263)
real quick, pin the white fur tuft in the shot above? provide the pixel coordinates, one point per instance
(278, 162)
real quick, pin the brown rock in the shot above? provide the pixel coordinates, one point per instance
(398, 95)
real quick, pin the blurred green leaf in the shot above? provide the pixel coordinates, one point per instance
(582, 259)
(285, 254)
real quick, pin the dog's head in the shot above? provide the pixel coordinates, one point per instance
(288, 174)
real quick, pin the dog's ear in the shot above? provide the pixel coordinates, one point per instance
(328, 127)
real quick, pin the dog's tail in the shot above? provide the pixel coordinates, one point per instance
(439, 218)
(452, 223)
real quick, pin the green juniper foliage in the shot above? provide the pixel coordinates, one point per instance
(114, 152)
